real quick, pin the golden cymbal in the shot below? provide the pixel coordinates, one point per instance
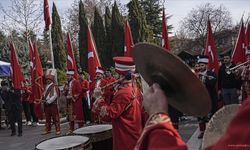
(183, 89)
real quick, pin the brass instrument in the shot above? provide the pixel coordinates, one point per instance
(230, 70)
(112, 83)
(207, 76)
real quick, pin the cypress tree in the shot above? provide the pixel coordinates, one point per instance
(99, 35)
(83, 36)
(57, 40)
(108, 38)
(117, 32)
(137, 22)
(153, 13)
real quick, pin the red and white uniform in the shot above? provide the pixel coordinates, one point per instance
(125, 114)
(50, 107)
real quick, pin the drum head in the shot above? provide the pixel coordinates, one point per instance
(63, 142)
(93, 129)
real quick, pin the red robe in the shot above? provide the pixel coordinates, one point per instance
(158, 134)
(85, 87)
(75, 103)
(125, 114)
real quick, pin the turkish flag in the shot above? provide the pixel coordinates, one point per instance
(32, 60)
(239, 55)
(93, 58)
(46, 15)
(37, 82)
(128, 40)
(247, 36)
(211, 51)
(71, 63)
(16, 73)
(165, 41)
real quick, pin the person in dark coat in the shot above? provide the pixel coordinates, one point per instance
(13, 104)
(228, 83)
(209, 79)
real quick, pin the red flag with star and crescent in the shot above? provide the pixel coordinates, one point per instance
(210, 50)
(16, 73)
(36, 79)
(71, 63)
(93, 58)
(128, 40)
(239, 55)
(165, 41)
(46, 15)
(247, 35)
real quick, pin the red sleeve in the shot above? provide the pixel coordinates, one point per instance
(77, 87)
(86, 84)
(115, 109)
(160, 138)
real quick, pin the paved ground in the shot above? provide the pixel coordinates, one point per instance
(32, 136)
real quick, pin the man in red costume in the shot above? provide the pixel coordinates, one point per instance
(159, 132)
(125, 108)
(72, 91)
(85, 87)
(99, 82)
(50, 96)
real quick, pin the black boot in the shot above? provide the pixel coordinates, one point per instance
(13, 133)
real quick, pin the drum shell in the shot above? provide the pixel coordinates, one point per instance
(83, 146)
(100, 140)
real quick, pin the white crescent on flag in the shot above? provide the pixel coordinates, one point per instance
(211, 53)
(70, 59)
(212, 56)
(125, 48)
(90, 54)
(162, 42)
(31, 64)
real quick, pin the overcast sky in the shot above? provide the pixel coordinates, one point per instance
(178, 8)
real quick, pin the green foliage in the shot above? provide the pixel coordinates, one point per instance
(108, 38)
(117, 32)
(153, 15)
(99, 36)
(61, 77)
(137, 21)
(83, 42)
(57, 40)
(4, 54)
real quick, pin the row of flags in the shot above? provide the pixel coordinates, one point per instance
(37, 73)
(243, 40)
(36, 69)
(238, 55)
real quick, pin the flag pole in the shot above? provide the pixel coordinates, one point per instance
(52, 54)
(51, 49)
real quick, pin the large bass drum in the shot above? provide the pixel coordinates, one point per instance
(65, 143)
(100, 135)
